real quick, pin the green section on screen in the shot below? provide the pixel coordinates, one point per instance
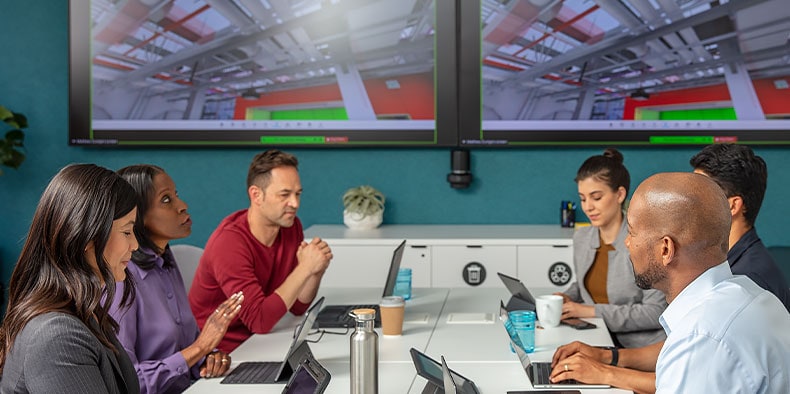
(298, 114)
(293, 140)
(646, 114)
(691, 140)
(700, 114)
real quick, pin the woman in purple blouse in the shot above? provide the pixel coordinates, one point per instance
(158, 330)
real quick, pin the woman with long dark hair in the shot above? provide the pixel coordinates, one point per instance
(57, 335)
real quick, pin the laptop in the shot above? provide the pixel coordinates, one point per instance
(264, 372)
(520, 299)
(441, 379)
(539, 372)
(337, 316)
(310, 377)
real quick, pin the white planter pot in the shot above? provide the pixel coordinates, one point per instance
(356, 221)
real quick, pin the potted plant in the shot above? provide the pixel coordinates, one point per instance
(363, 208)
(12, 152)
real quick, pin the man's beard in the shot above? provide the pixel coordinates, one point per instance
(653, 274)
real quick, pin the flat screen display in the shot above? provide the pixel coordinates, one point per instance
(625, 72)
(263, 73)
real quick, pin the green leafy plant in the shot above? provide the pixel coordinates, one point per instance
(363, 200)
(12, 152)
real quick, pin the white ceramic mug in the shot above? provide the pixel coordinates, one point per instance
(549, 309)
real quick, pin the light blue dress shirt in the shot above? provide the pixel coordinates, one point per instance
(725, 334)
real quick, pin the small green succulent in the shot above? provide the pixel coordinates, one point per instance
(363, 200)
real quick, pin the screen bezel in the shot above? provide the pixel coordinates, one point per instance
(473, 135)
(82, 133)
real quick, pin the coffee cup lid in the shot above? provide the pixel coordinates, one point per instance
(392, 301)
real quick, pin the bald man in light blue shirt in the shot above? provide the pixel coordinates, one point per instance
(725, 334)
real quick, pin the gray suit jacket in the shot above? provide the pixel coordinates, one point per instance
(56, 353)
(632, 313)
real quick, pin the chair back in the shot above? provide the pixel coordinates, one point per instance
(187, 258)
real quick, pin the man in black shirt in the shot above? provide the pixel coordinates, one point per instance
(743, 177)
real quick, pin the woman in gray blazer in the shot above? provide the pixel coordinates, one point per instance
(605, 285)
(57, 336)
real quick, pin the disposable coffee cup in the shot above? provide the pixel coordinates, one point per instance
(392, 309)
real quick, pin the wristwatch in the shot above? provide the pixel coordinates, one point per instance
(615, 355)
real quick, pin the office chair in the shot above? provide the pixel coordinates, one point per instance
(781, 255)
(187, 258)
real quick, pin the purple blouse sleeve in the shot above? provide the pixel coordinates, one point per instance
(150, 336)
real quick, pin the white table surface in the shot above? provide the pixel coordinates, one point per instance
(478, 351)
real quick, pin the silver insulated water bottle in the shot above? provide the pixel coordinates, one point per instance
(364, 353)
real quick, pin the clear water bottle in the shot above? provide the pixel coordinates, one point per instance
(364, 353)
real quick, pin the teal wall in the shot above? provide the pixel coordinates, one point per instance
(510, 186)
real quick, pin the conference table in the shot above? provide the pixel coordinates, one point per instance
(460, 324)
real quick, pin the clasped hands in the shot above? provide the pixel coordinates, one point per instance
(315, 255)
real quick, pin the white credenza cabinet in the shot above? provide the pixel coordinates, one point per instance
(450, 255)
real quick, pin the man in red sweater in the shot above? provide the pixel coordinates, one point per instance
(261, 251)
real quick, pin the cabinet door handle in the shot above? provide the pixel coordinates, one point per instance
(560, 246)
(475, 246)
(419, 246)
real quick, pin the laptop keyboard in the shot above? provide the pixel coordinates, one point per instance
(334, 316)
(253, 373)
(542, 372)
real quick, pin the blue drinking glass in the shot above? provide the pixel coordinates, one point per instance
(524, 325)
(403, 284)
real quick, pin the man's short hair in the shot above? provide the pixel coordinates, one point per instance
(738, 171)
(263, 163)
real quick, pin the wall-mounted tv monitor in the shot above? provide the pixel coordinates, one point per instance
(624, 72)
(305, 73)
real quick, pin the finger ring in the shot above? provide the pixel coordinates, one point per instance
(216, 310)
(566, 367)
(224, 360)
(225, 315)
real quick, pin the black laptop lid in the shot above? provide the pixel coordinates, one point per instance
(434, 372)
(392, 275)
(521, 298)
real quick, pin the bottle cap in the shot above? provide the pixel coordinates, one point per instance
(363, 314)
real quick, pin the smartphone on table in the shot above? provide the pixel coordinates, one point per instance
(578, 324)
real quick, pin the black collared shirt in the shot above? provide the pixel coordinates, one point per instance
(750, 257)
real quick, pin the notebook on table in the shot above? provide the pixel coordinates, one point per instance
(260, 372)
(539, 372)
(337, 316)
